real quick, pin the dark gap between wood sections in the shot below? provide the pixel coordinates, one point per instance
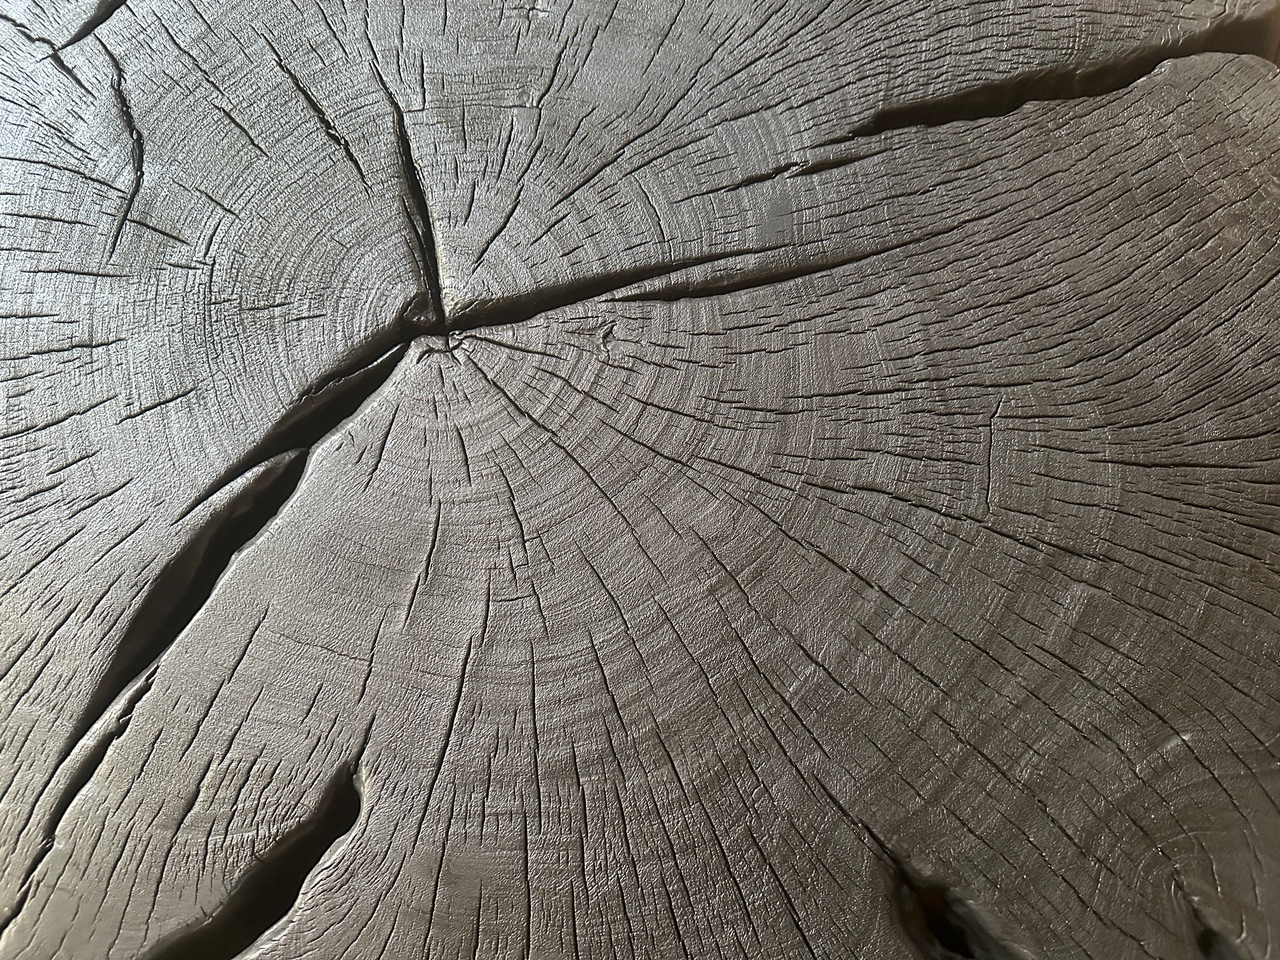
(186, 582)
(172, 601)
(103, 12)
(184, 585)
(269, 889)
(1211, 944)
(939, 924)
(1257, 35)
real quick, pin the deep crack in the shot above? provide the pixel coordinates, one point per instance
(940, 924)
(103, 12)
(83, 761)
(1258, 35)
(270, 887)
(425, 312)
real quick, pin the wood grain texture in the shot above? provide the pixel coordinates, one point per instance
(583, 481)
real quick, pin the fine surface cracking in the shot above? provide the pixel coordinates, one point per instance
(939, 923)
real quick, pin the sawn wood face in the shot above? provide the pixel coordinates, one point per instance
(578, 480)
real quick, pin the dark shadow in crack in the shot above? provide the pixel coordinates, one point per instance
(1258, 35)
(181, 588)
(1211, 944)
(938, 922)
(269, 889)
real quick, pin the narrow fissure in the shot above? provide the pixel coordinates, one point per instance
(548, 298)
(317, 110)
(1258, 35)
(136, 151)
(269, 888)
(54, 55)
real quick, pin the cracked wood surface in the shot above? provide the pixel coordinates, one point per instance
(583, 481)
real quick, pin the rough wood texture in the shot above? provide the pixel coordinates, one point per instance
(575, 480)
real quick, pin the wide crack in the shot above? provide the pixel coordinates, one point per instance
(1257, 35)
(270, 887)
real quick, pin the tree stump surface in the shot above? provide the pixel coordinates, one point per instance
(667, 480)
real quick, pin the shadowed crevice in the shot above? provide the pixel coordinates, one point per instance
(173, 599)
(82, 762)
(941, 925)
(269, 889)
(424, 312)
(265, 477)
(514, 310)
(321, 409)
(1211, 944)
(938, 922)
(104, 11)
(1258, 35)
(181, 588)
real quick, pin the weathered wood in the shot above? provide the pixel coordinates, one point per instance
(575, 481)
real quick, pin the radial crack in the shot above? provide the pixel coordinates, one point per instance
(318, 111)
(81, 762)
(426, 311)
(135, 150)
(939, 923)
(321, 409)
(103, 12)
(253, 492)
(560, 296)
(181, 588)
(1257, 34)
(270, 887)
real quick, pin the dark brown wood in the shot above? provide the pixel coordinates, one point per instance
(575, 480)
